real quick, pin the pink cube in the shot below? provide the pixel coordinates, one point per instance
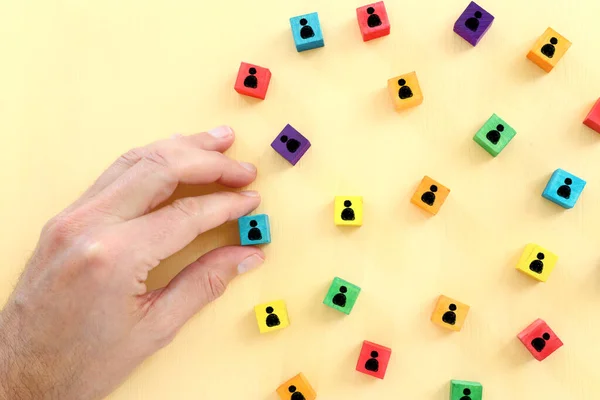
(593, 118)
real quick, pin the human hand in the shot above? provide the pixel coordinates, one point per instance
(80, 319)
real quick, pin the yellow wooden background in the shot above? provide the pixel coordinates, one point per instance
(83, 81)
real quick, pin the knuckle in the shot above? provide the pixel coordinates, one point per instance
(188, 206)
(132, 156)
(60, 229)
(94, 253)
(215, 285)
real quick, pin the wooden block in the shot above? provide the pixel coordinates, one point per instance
(342, 295)
(290, 144)
(373, 21)
(548, 50)
(537, 262)
(348, 210)
(449, 313)
(593, 118)
(253, 81)
(373, 359)
(405, 91)
(473, 23)
(430, 195)
(296, 388)
(254, 230)
(494, 135)
(563, 188)
(540, 340)
(307, 33)
(465, 390)
(271, 316)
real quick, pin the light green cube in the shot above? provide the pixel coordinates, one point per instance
(494, 135)
(465, 390)
(342, 295)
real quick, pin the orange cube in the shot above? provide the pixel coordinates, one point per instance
(297, 387)
(430, 195)
(449, 313)
(404, 91)
(548, 50)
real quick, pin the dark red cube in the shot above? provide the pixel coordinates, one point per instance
(373, 21)
(253, 81)
(540, 340)
(593, 118)
(373, 359)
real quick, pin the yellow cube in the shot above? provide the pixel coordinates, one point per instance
(449, 313)
(297, 387)
(271, 316)
(348, 210)
(405, 91)
(537, 262)
(548, 50)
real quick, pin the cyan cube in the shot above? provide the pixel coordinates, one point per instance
(254, 230)
(307, 33)
(494, 135)
(342, 295)
(564, 188)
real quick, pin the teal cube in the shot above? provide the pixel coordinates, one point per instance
(307, 33)
(563, 188)
(254, 230)
(494, 135)
(465, 390)
(342, 295)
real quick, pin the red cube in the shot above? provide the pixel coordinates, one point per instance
(540, 340)
(593, 118)
(373, 21)
(373, 359)
(253, 81)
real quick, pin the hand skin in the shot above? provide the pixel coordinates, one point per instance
(80, 318)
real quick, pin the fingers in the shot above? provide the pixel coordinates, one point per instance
(169, 229)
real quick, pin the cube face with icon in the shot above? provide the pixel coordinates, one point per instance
(297, 387)
(348, 210)
(271, 316)
(461, 390)
(373, 359)
(373, 21)
(254, 230)
(548, 50)
(540, 340)
(430, 195)
(494, 135)
(564, 188)
(449, 313)
(342, 295)
(473, 23)
(253, 81)
(537, 262)
(291, 144)
(306, 31)
(405, 91)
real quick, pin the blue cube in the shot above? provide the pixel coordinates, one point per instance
(564, 188)
(254, 229)
(307, 33)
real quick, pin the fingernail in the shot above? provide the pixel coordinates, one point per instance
(221, 132)
(250, 263)
(250, 193)
(248, 166)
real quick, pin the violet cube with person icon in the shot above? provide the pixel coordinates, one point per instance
(290, 144)
(473, 23)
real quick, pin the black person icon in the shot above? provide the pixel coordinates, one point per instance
(472, 23)
(306, 32)
(405, 92)
(348, 213)
(565, 190)
(296, 395)
(372, 363)
(495, 134)
(540, 342)
(340, 298)
(272, 319)
(291, 144)
(537, 266)
(254, 233)
(373, 19)
(429, 197)
(449, 317)
(251, 80)
(548, 49)
(467, 394)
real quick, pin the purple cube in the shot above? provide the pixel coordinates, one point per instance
(473, 23)
(291, 144)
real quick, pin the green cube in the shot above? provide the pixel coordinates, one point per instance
(465, 390)
(494, 135)
(342, 295)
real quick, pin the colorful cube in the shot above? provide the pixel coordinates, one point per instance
(373, 21)
(430, 195)
(373, 359)
(307, 33)
(348, 210)
(537, 262)
(342, 295)
(473, 23)
(254, 230)
(540, 340)
(494, 135)
(296, 388)
(548, 50)
(593, 118)
(271, 316)
(449, 313)
(253, 81)
(465, 390)
(290, 144)
(563, 188)
(405, 91)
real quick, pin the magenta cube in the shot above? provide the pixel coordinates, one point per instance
(473, 23)
(291, 144)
